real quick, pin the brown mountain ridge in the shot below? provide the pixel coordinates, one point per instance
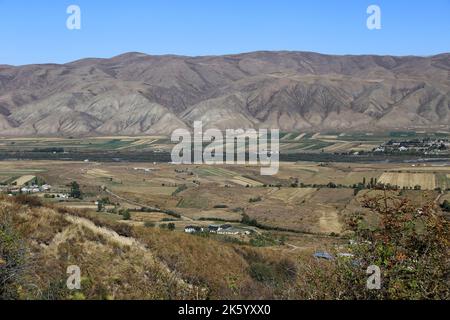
(135, 93)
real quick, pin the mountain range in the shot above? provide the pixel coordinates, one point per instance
(136, 94)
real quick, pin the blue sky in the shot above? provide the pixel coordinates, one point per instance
(35, 31)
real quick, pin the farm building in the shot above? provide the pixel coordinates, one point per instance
(193, 229)
(227, 229)
(233, 231)
(30, 190)
(214, 228)
(323, 255)
(35, 189)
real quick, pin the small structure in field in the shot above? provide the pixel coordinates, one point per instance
(227, 229)
(214, 228)
(193, 229)
(323, 255)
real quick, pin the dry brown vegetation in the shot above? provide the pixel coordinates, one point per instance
(121, 261)
(111, 269)
(136, 259)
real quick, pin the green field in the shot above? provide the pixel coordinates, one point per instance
(215, 171)
(193, 202)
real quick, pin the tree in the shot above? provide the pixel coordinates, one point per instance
(171, 226)
(446, 206)
(126, 215)
(409, 245)
(75, 191)
(332, 185)
(248, 221)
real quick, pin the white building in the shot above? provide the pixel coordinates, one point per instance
(193, 229)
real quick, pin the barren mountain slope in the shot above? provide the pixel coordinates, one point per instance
(139, 94)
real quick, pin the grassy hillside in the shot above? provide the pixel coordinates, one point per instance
(118, 261)
(122, 261)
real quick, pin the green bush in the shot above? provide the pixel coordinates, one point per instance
(262, 272)
(220, 206)
(75, 191)
(446, 206)
(249, 221)
(171, 226)
(409, 245)
(126, 215)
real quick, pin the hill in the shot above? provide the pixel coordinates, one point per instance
(135, 93)
(119, 261)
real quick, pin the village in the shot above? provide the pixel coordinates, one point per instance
(29, 184)
(425, 146)
(225, 229)
(70, 195)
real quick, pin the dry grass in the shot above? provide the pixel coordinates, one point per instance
(98, 173)
(246, 182)
(113, 266)
(290, 195)
(427, 181)
(126, 262)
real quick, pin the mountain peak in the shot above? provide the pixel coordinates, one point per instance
(136, 93)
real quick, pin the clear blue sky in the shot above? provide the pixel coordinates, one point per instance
(35, 31)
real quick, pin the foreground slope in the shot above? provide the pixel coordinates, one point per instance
(118, 261)
(121, 261)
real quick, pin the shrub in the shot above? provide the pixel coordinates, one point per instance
(31, 201)
(248, 221)
(12, 259)
(75, 191)
(262, 272)
(172, 213)
(263, 241)
(409, 245)
(446, 206)
(256, 199)
(126, 215)
(220, 206)
(149, 224)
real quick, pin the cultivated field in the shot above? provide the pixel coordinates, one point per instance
(427, 181)
(23, 180)
(299, 199)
